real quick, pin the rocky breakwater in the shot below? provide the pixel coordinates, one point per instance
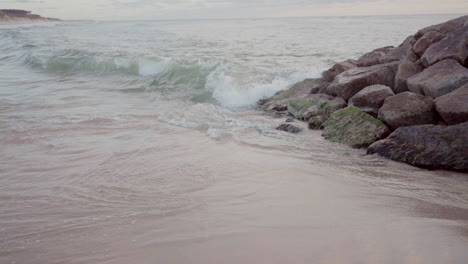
(407, 103)
(22, 16)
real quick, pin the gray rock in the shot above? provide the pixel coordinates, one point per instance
(300, 90)
(426, 41)
(373, 57)
(453, 107)
(439, 79)
(289, 128)
(454, 46)
(371, 97)
(338, 68)
(407, 109)
(289, 120)
(313, 105)
(405, 71)
(350, 82)
(354, 128)
(427, 146)
(316, 122)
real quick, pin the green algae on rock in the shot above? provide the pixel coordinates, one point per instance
(354, 128)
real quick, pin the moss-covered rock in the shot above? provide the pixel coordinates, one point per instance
(315, 105)
(316, 122)
(354, 128)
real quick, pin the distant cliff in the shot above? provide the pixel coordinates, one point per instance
(21, 16)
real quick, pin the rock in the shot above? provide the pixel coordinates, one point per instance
(426, 41)
(300, 90)
(289, 128)
(350, 82)
(439, 79)
(280, 108)
(354, 128)
(454, 46)
(371, 97)
(404, 52)
(313, 105)
(427, 146)
(373, 57)
(407, 109)
(443, 28)
(338, 68)
(316, 122)
(453, 107)
(405, 71)
(289, 120)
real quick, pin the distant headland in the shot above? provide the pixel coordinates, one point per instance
(22, 16)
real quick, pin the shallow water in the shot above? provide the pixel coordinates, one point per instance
(138, 142)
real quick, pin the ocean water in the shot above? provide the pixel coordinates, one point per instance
(139, 142)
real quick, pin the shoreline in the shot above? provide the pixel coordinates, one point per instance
(407, 103)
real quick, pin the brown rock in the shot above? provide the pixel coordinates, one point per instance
(338, 68)
(453, 107)
(427, 146)
(404, 52)
(371, 97)
(426, 41)
(407, 109)
(405, 71)
(373, 57)
(443, 28)
(454, 46)
(439, 79)
(350, 82)
(300, 90)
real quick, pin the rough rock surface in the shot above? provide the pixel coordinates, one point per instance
(316, 122)
(373, 57)
(404, 52)
(454, 46)
(428, 146)
(426, 41)
(338, 68)
(439, 79)
(354, 128)
(313, 105)
(407, 109)
(371, 97)
(289, 128)
(453, 107)
(405, 71)
(350, 82)
(445, 27)
(300, 90)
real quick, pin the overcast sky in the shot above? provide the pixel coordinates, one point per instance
(173, 9)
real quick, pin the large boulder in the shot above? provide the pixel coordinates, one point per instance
(405, 71)
(373, 57)
(407, 109)
(280, 100)
(338, 68)
(454, 46)
(404, 52)
(315, 105)
(426, 41)
(439, 79)
(444, 28)
(354, 128)
(371, 98)
(453, 107)
(350, 82)
(428, 146)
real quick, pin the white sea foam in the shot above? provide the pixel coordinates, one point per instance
(229, 91)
